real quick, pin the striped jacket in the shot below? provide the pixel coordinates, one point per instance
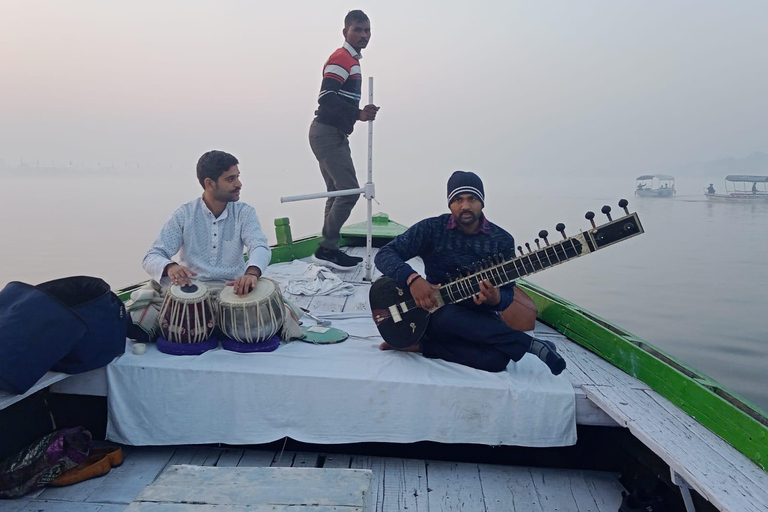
(339, 97)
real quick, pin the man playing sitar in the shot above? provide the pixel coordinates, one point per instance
(470, 332)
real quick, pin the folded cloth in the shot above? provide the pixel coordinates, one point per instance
(302, 278)
(291, 329)
(144, 308)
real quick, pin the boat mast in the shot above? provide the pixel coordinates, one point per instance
(369, 197)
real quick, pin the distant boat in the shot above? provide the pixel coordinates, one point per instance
(740, 189)
(655, 185)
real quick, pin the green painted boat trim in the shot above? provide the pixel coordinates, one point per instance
(733, 418)
(382, 227)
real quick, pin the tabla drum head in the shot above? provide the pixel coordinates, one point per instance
(263, 289)
(194, 291)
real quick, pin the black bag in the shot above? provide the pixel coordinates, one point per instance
(71, 325)
(104, 314)
(36, 331)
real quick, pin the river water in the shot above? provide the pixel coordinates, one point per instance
(695, 284)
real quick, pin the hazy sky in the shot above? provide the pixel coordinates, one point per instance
(525, 88)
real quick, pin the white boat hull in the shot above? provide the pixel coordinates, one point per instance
(738, 198)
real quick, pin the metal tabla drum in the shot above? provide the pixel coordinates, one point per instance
(254, 318)
(187, 314)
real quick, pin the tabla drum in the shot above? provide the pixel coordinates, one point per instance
(253, 318)
(187, 314)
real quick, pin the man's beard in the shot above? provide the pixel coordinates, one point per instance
(469, 219)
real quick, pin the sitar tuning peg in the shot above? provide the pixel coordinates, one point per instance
(543, 234)
(607, 211)
(590, 216)
(561, 228)
(520, 249)
(536, 241)
(528, 247)
(623, 204)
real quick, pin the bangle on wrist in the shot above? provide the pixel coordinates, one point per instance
(411, 279)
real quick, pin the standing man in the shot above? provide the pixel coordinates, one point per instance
(468, 332)
(335, 118)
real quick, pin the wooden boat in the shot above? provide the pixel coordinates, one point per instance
(742, 188)
(641, 414)
(655, 185)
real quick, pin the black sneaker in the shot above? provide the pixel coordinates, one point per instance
(335, 259)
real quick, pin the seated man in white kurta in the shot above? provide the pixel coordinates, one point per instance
(210, 233)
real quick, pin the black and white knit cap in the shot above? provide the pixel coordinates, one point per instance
(465, 182)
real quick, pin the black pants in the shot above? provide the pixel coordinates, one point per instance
(473, 337)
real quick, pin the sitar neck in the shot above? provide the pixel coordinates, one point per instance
(500, 272)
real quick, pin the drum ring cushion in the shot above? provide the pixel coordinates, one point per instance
(186, 349)
(265, 346)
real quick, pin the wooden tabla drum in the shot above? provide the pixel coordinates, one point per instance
(254, 318)
(187, 314)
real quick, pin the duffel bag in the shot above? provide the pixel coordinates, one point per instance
(104, 315)
(36, 331)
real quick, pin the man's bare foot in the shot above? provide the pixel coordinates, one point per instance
(413, 348)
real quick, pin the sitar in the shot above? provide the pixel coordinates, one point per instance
(402, 323)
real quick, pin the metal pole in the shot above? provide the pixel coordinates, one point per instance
(369, 232)
(320, 195)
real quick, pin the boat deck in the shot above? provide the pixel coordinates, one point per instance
(398, 484)
(605, 395)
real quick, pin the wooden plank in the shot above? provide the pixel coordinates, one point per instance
(17, 505)
(753, 474)
(376, 465)
(121, 484)
(739, 422)
(358, 274)
(260, 486)
(256, 458)
(554, 490)
(587, 413)
(230, 458)
(358, 301)
(605, 488)
(454, 487)
(327, 303)
(139, 469)
(200, 507)
(206, 456)
(594, 370)
(406, 485)
(301, 301)
(283, 459)
(66, 506)
(573, 370)
(338, 462)
(305, 460)
(508, 488)
(713, 476)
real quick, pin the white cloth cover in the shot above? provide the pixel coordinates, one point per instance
(302, 278)
(345, 393)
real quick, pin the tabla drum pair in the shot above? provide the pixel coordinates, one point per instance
(188, 318)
